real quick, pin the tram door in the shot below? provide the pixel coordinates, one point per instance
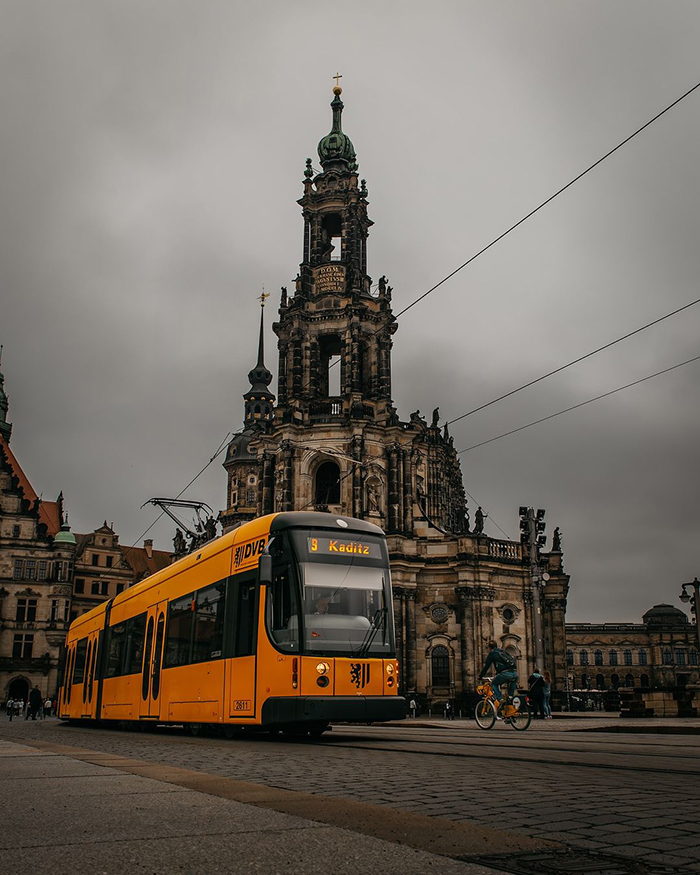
(89, 685)
(153, 660)
(244, 593)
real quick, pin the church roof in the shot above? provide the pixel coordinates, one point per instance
(49, 511)
(139, 561)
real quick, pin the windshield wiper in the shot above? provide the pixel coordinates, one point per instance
(371, 632)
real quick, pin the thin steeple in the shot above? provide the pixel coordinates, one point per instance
(5, 426)
(259, 400)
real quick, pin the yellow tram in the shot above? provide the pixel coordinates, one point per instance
(283, 623)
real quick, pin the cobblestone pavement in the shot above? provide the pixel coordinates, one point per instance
(636, 795)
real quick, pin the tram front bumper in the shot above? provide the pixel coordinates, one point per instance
(328, 709)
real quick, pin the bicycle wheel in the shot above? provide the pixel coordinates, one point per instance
(522, 717)
(485, 714)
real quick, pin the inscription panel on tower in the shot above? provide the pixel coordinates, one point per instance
(329, 278)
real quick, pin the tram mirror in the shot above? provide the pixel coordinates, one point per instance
(265, 569)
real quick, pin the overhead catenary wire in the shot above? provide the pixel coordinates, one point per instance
(581, 404)
(573, 362)
(481, 252)
(548, 200)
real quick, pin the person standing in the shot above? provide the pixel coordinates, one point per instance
(35, 700)
(10, 709)
(47, 707)
(412, 707)
(547, 693)
(536, 682)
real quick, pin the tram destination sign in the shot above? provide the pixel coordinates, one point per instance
(343, 548)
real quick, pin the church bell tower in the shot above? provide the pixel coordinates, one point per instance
(335, 331)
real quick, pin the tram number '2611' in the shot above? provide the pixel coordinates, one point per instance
(241, 705)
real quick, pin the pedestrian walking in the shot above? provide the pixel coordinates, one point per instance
(19, 707)
(547, 694)
(10, 709)
(536, 694)
(413, 708)
(448, 711)
(47, 707)
(34, 704)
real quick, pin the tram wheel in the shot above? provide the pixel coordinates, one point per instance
(318, 731)
(485, 714)
(231, 731)
(194, 728)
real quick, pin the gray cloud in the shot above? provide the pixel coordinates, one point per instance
(152, 157)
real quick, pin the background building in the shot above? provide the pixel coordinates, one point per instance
(333, 441)
(662, 650)
(37, 552)
(104, 568)
(48, 576)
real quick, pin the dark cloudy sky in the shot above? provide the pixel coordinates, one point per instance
(151, 156)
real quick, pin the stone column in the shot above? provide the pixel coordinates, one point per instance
(411, 640)
(465, 594)
(400, 627)
(393, 496)
(407, 492)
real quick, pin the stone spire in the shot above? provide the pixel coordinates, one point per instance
(5, 426)
(259, 401)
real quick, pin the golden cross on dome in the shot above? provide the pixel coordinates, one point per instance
(337, 77)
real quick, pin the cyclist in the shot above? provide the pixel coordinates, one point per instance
(506, 672)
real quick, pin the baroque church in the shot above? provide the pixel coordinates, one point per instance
(333, 441)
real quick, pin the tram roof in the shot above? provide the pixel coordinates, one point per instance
(277, 522)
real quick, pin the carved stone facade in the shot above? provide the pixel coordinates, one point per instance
(335, 442)
(660, 651)
(36, 573)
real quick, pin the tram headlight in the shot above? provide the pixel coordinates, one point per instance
(323, 680)
(323, 668)
(390, 669)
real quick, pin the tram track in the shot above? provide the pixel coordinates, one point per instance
(507, 749)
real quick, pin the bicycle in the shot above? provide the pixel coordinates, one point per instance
(515, 710)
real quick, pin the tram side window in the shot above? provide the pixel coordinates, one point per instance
(244, 589)
(209, 622)
(80, 656)
(180, 616)
(136, 633)
(117, 648)
(283, 611)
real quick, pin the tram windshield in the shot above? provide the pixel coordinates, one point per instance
(343, 596)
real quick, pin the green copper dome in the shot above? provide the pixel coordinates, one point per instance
(65, 536)
(336, 148)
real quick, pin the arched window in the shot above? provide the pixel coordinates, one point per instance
(628, 657)
(583, 656)
(615, 680)
(644, 680)
(328, 484)
(585, 682)
(693, 657)
(598, 655)
(613, 657)
(643, 658)
(629, 680)
(667, 656)
(680, 656)
(569, 657)
(600, 682)
(440, 659)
